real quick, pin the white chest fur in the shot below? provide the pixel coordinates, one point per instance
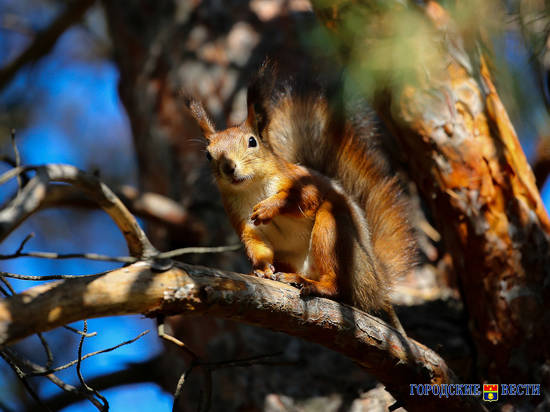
(289, 237)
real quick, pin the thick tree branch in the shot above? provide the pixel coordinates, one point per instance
(186, 289)
(31, 197)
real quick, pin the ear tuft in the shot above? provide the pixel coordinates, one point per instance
(199, 114)
(259, 96)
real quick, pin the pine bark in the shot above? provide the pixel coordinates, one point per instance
(464, 155)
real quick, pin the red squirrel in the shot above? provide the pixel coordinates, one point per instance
(310, 196)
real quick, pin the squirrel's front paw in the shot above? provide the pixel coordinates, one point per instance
(265, 273)
(262, 213)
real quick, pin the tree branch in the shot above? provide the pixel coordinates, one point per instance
(31, 197)
(147, 371)
(152, 206)
(184, 289)
(121, 259)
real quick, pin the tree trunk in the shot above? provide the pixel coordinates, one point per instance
(465, 157)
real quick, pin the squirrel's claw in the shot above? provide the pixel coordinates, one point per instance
(307, 288)
(265, 273)
(262, 213)
(291, 279)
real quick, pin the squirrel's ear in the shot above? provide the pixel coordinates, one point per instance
(257, 118)
(199, 113)
(259, 95)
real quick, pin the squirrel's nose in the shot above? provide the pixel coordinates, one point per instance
(228, 167)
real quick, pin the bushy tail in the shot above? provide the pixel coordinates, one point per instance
(304, 128)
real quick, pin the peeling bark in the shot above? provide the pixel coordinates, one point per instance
(465, 157)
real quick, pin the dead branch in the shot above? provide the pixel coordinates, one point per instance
(148, 371)
(85, 387)
(23, 379)
(46, 39)
(17, 159)
(76, 392)
(88, 355)
(152, 206)
(184, 289)
(31, 197)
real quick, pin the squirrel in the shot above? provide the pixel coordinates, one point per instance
(310, 195)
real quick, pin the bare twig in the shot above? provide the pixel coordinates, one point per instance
(49, 354)
(4, 291)
(161, 331)
(47, 350)
(79, 357)
(6, 159)
(84, 334)
(23, 378)
(42, 278)
(36, 370)
(60, 256)
(54, 379)
(210, 367)
(72, 389)
(17, 160)
(121, 259)
(16, 171)
(105, 406)
(150, 370)
(23, 243)
(46, 39)
(79, 332)
(7, 284)
(207, 367)
(245, 362)
(180, 385)
(190, 250)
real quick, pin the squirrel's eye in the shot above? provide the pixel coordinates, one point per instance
(252, 142)
(208, 156)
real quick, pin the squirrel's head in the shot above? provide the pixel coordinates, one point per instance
(238, 155)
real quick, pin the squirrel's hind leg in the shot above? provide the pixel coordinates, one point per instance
(322, 257)
(307, 286)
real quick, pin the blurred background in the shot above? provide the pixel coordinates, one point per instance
(102, 94)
